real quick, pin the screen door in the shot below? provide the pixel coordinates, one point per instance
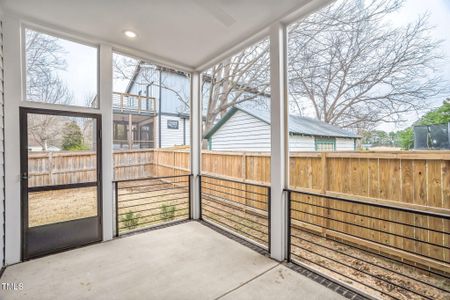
(60, 180)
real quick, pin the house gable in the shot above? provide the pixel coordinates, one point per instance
(241, 132)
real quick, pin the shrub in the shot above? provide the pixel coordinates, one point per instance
(130, 220)
(168, 212)
(73, 138)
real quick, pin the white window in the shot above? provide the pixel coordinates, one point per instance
(59, 71)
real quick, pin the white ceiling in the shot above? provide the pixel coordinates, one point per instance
(185, 32)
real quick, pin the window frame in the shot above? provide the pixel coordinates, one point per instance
(59, 35)
(324, 141)
(116, 125)
(173, 122)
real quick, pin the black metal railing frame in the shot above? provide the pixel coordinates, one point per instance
(116, 196)
(289, 214)
(387, 257)
(268, 194)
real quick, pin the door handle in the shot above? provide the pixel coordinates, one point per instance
(24, 176)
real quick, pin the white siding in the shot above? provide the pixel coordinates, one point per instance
(298, 143)
(345, 144)
(173, 137)
(170, 103)
(242, 132)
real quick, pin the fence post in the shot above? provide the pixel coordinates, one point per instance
(323, 156)
(173, 163)
(50, 169)
(244, 174)
(244, 165)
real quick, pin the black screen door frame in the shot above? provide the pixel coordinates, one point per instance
(80, 228)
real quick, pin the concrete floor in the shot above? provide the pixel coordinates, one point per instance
(186, 261)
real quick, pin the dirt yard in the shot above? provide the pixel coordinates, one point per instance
(61, 205)
(381, 277)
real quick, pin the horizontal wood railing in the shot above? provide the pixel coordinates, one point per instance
(126, 102)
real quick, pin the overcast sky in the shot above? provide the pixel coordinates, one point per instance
(439, 17)
(119, 83)
(81, 73)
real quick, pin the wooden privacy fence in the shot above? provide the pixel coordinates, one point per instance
(417, 180)
(252, 167)
(406, 178)
(53, 168)
(414, 180)
(150, 162)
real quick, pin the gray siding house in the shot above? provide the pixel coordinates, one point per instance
(154, 112)
(249, 130)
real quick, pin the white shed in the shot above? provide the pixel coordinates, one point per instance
(244, 130)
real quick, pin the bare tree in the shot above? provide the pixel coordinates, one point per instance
(241, 78)
(148, 75)
(238, 79)
(355, 70)
(43, 61)
(346, 63)
(45, 130)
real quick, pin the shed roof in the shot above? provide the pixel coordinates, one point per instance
(297, 125)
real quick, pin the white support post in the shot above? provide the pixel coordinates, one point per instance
(105, 91)
(278, 165)
(12, 88)
(196, 140)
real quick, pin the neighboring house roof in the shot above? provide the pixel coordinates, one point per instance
(131, 83)
(297, 125)
(40, 149)
(138, 68)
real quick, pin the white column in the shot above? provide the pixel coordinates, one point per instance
(12, 89)
(13, 99)
(278, 166)
(196, 127)
(105, 91)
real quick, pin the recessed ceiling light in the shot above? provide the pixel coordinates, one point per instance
(130, 34)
